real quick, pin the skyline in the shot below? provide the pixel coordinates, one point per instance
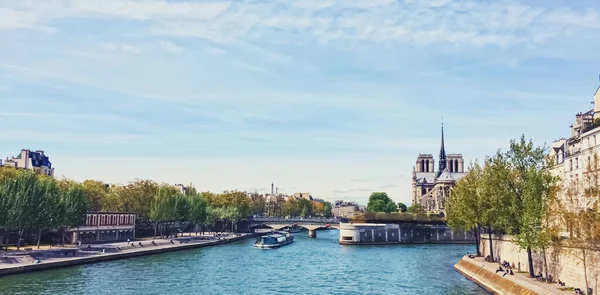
(335, 98)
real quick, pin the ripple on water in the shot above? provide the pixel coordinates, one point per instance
(308, 266)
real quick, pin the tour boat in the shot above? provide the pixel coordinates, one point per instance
(274, 240)
(294, 229)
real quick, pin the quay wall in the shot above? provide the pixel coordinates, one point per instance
(565, 264)
(114, 256)
(493, 282)
(383, 234)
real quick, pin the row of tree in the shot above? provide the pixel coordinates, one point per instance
(35, 201)
(381, 202)
(510, 193)
(516, 192)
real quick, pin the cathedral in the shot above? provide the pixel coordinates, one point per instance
(431, 188)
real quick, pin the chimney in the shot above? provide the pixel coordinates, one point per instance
(272, 185)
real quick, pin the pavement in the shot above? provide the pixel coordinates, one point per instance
(19, 259)
(522, 279)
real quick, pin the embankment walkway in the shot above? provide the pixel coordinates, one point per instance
(27, 261)
(484, 274)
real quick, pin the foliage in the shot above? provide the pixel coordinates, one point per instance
(416, 208)
(380, 202)
(402, 207)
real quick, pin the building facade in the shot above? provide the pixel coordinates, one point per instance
(105, 226)
(431, 188)
(343, 209)
(573, 156)
(36, 161)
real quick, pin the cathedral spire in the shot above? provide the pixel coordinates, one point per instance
(442, 163)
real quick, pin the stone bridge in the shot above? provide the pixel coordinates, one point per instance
(311, 224)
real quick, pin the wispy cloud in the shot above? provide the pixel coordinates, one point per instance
(126, 48)
(171, 47)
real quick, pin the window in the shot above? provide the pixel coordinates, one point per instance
(346, 238)
(571, 165)
(576, 163)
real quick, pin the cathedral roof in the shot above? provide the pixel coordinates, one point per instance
(449, 176)
(425, 177)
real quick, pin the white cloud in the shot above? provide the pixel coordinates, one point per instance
(171, 47)
(216, 51)
(462, 22)
(125, 48)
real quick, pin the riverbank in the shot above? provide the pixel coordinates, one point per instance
(65, 257)
(484, 274)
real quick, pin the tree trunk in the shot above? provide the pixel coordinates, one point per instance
(491, 248)
(585, 276)
(39, 237)
(21, 230)
(155, 229)
(530, 262)
(62, 237)
(477, 241)
(545, 262)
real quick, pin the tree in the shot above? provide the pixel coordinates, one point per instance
(197, 209)
(495, 197)
(73, 205)
(416, 209)
(95, 192)
(22, 192)
(530, 186)
(48, 205)
(402, 207)
(163, 206)
(378, 202)
(327, 209)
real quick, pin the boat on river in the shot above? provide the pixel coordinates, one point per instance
(274, 240)
(294, 229)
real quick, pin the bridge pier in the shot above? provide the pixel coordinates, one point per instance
(312, 233)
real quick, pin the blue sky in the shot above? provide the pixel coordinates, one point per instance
(336, 98)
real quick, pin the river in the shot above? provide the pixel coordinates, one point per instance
(308, 266)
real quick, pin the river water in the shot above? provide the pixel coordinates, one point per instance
(307, 266)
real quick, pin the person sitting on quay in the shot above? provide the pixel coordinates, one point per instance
(560, 283)
(141, 244)
(172, 242)
(132, 245)
(153, 243)
(488, 259)
(499, 269)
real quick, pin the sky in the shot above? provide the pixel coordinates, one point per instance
(332, 97)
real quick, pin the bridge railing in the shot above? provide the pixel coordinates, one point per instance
(296, 220)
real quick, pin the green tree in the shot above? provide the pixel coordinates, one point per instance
(416, 209)
(305, 208)
(378, 202)
(73, 205)
(48, 205)
(495, 197)
(197, 209)
(465, 204)
(327, 209)
(402, 207)
(95, 192)
(530, 185)
(163, 207)
(23, 194)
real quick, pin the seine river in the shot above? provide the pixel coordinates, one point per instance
(308, 266)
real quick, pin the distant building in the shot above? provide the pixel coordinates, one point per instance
(343, 209)
(105, 226)
(180, 188)
(36, 161)
(431, 188)
(305, 196)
